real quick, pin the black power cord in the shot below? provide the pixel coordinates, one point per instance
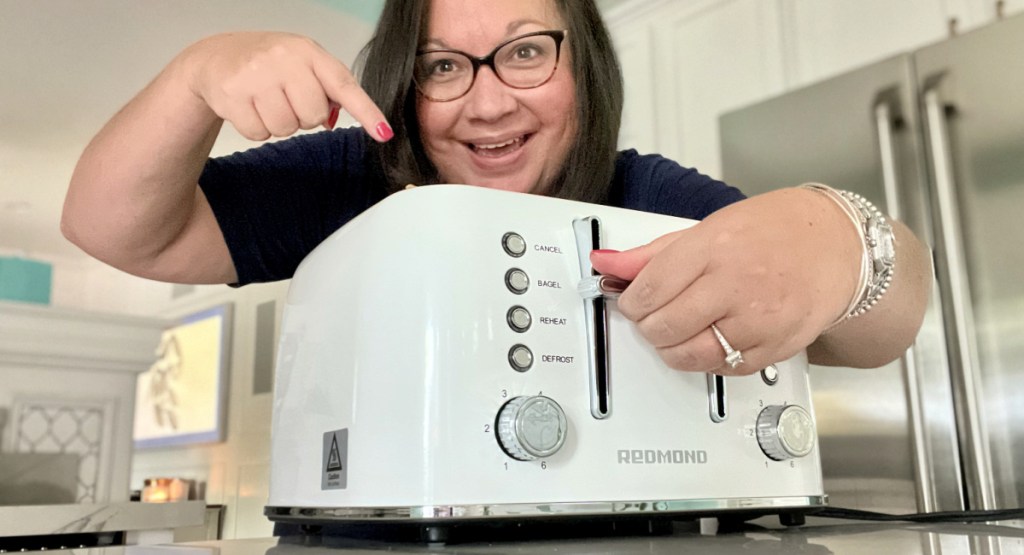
(942, 516)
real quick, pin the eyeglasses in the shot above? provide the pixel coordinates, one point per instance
(524, 62)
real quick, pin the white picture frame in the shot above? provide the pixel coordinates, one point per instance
(182, 398)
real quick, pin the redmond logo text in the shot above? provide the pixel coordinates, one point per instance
(666, 456)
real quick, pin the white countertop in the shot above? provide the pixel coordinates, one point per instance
(39, 520)
(817, 538)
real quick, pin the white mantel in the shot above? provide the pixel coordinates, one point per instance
(67, 385)
(76, 340)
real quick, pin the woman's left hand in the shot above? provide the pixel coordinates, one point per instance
(772, 272)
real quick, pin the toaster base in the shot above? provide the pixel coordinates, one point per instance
(451, 532)
(446, 523)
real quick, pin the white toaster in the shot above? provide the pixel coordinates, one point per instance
(448, 356)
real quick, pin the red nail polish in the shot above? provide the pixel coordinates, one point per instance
(384, 131)
(332, 118)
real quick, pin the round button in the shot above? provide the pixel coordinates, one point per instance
(770, 374)
(517, 281)
(520, 357)
(514, 244)
(531, 428)
(519, 319)
(785, 432)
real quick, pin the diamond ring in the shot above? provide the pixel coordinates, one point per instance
(733, 357)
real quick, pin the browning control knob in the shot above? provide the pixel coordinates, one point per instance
(785, 432)
(531, 427)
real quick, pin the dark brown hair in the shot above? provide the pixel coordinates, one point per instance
(386, 68)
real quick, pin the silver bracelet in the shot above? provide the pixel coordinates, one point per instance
(878, 258)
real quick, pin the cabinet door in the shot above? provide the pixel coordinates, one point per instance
(829, 37)
(634, 45)
(1010, 7)
(972, 14)
(712, 61)
(685, 63)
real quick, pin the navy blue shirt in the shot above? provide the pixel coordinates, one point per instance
(276, 203)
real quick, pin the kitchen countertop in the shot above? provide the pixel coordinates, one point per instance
(37, 520)
(819, 537)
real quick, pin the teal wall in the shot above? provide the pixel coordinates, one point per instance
(25, 280)
(367, 10)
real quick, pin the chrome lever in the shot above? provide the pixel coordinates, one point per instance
(609, 287)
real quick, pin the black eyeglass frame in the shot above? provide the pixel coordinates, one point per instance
(557, 34)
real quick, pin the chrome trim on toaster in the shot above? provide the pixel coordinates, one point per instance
(508, 510)
(588, 238)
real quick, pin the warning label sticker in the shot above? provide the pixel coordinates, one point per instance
(335, 460)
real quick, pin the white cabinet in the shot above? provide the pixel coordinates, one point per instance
(830, 37)
(686, 63)
(975, 13)
(714, 60)
(634, 45)
(1011, 7)
(703, 58)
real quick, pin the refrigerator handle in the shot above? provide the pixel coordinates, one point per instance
(883, 123)
(967, 385)
(911, 372)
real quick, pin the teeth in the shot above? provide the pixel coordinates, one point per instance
(500, 145)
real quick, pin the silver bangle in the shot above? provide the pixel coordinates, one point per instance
(878, 258)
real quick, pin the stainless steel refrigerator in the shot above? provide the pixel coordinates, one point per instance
(934, 137)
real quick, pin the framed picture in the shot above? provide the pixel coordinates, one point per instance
(182, 398)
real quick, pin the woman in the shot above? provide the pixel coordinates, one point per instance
(522, 95)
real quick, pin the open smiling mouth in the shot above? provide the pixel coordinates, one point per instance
(497, 150)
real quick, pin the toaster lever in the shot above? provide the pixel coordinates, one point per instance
(592, 287)
(601, 286)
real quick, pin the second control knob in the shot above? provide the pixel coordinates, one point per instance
(531, 428)
(785, 432)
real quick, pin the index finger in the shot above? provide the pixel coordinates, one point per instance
(628, 263)
(676, 261)
(341, 87)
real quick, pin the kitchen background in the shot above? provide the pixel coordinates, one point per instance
(68, 65)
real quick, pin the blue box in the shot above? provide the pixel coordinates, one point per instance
(25, 280)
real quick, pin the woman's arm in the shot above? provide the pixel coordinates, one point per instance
(773, 272)
(133, 201)
(886, 331)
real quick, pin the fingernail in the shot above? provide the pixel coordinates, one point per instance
(604, 251)
(332, 118)
(384, 131)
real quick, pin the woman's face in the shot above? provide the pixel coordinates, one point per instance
(497, 136)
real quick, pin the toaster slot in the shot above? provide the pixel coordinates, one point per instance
(588, 238)
(716, 397)
(601, 407)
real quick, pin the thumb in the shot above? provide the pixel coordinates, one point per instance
(627, 264)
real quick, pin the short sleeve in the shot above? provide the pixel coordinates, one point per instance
(277, 202)
(653, 183)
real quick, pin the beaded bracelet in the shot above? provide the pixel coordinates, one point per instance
(878, 258)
